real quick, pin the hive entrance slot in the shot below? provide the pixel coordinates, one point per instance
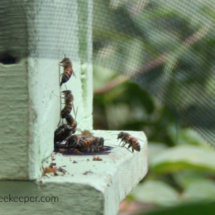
(7, 59)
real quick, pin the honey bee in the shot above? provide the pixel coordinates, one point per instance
(67, 72)
(74, 140)
(132, 142)
(60, 134)
(66, 110)
(91, 144)
(84, 143)
(71, 122)
(98, 143)
(68, 97)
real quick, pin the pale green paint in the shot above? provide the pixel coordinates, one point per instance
(13, 121)
(73, 199)
(13, 93)
(39, 33)
(99, 192)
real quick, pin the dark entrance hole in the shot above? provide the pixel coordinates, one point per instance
(7, 59)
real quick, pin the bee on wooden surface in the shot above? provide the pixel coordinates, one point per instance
(97, 145)
(71, 122)
(66, 110)
(68, 97)
(84, 143)
(132, 142)
(76, 141)
(66, 62)
(62, 132)
(67, 70)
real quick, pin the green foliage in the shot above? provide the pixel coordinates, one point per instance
(182, 158)
(128, 35)
(198, 208)
(165, 195)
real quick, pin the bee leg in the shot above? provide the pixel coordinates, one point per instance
(75, 111)
(124, 144)
(77, 151)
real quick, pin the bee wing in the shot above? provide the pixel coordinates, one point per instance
(62, 143)
(140, 139)
(75, 111)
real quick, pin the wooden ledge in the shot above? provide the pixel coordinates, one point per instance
(88, 187)
(98, 187)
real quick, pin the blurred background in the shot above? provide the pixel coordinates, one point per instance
(154, 72)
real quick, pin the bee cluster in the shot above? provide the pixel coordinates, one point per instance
(64, 138)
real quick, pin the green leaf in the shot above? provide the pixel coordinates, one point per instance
(155, 149)
(184, 157)
(198, 208)
(185, 136)
(155, 192)
(200, 190)
(188, 177)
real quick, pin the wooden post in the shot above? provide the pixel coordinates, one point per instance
(34, 37)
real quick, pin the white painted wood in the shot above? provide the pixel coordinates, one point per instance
(99, 192)
(38, 34)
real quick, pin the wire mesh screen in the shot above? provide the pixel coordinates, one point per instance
(167, 46)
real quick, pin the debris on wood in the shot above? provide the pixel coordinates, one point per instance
(97, 158)
(87, 172)
(49, 170)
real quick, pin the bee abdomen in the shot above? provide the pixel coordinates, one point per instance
(135, 144)
(62, 132)
(83, 144)
(65, 78)
(66, 110)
